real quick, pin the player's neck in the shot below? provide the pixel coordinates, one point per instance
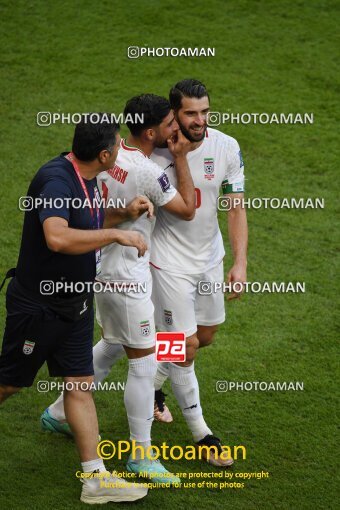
(195, 145)
(136, 143)
(88, 170)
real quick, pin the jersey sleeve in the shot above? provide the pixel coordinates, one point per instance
(56, 196)
(233, 181)
(154, 183)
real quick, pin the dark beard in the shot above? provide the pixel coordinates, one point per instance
(189, 137)
(163, 145)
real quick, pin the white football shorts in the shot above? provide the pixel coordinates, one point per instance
(127, 318)
(178, 304)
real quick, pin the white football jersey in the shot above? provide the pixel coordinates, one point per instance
(133, 174)
(191, 247)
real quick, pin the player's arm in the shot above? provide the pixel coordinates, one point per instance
(135, 209)
(183, 204)
(238, 237)
(233, 189)
(61, 238)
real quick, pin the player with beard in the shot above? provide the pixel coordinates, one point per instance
(183, 254)
(127, 318)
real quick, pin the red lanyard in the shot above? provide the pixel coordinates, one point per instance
(70, 157)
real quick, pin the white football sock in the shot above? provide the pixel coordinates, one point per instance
(138, 453)
(56, 410)
(105, 355)
(92, 465)
(161, 375)
(185, 387)
(139, 397)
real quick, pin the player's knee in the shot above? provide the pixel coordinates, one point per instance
(78, 386)
(192, 344)
(7, 391)
(206, 335)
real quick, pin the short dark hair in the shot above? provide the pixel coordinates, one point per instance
(186, 88)
(151, 108)
(94, 133)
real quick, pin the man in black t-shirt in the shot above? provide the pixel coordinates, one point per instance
(49, 300)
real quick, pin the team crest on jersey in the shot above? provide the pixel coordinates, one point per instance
(209, 168)
(145, 328)
(28, 347)
(168, 317)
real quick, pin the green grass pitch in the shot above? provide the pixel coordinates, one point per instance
(70, 56)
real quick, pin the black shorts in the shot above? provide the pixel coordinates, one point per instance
(34, 334)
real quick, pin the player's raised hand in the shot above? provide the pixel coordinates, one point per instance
(134, 239)
(237, 274)
(178, 145)
(139, 206)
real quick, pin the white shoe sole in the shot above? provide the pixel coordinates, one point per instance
(116, 498)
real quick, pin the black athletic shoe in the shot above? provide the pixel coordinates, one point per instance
(161, 411)
(215, 456)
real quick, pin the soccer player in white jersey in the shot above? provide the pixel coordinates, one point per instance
(183, 254)
(127, 318)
